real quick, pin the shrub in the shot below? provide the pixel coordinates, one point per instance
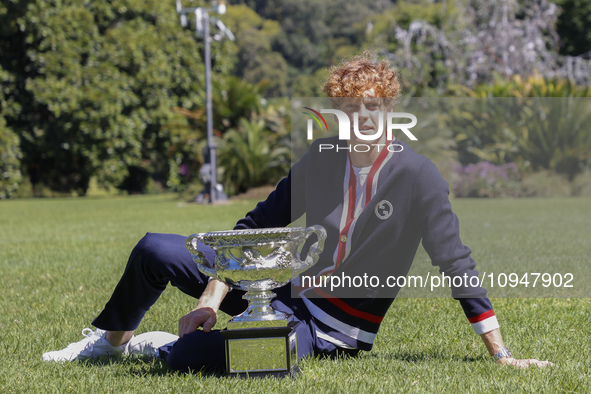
(252, 156)
(581, 185)
(487, 180)
(549, 132)
(191, 190)
(546, 184)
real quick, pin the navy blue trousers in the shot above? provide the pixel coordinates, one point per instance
(159, 259)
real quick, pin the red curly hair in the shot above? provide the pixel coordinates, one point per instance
(360, 74)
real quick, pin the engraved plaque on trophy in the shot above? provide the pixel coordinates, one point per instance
(260, 341)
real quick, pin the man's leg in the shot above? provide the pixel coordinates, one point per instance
(117, 338)
(155, 261)
(195, 351)
(158, 259)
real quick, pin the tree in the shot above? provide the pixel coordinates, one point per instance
(259, 64)
(97, 83)
(438, 44)
(313, 35)
(574, 27)
(10, 154)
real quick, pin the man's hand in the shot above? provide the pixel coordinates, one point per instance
(200, 317)
(205, 315)
(494, 343)
(524, 363)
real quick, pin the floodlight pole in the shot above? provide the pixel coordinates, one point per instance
(202, 28)
(209, 109)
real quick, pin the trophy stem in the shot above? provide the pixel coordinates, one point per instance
(259, 313)
(259, 304)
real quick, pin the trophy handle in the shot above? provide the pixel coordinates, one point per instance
(315, 249)
(198, 256)
(318, 246)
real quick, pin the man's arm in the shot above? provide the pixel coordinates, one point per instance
(494, 343)
(205, 315)
(440, 229)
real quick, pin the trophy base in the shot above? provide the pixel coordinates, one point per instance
(261, 352)
(240, 322)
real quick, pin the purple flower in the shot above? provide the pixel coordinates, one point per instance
(486, 179)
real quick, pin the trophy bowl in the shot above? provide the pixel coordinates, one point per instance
(258, 261)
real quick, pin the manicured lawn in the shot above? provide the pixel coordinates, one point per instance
(61, 258)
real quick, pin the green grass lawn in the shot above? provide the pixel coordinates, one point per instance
(61, 258)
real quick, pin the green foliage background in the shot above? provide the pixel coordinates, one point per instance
(113, 92)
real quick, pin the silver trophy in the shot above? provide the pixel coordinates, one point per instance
(259, 342)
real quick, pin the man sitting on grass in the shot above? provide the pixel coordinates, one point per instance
(376, 205)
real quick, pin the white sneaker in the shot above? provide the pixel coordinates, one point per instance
(148, 343)
(93, 345)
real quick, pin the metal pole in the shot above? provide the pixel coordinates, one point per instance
(209, 110)
(202, 28)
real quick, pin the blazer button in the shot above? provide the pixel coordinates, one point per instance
(343, 238)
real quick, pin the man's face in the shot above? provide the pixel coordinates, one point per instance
(370, 109)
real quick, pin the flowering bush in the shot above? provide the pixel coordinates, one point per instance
(487, 180)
